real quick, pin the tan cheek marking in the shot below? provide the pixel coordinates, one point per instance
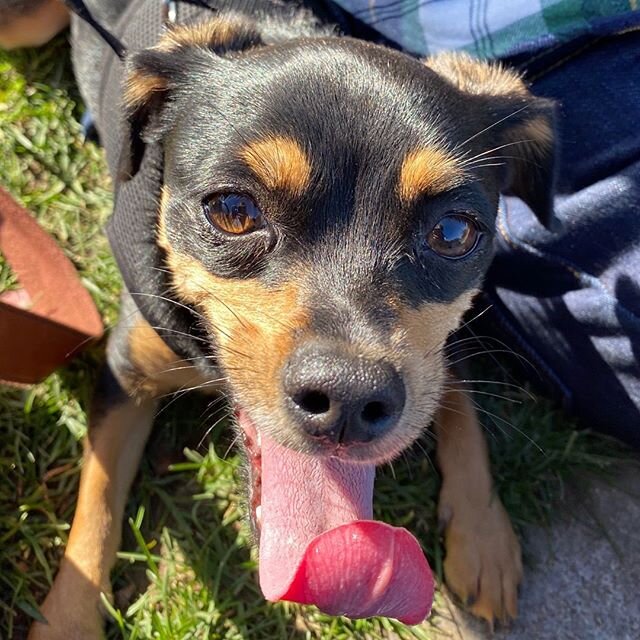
(254, 326)
(424, 330)
(428, 171)
(280, 163)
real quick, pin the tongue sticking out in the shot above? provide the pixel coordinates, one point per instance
(319, 545)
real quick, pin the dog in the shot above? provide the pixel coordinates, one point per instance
(321, 214)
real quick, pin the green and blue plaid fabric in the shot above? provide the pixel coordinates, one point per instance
(491, 28)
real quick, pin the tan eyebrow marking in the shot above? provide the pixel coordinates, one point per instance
(429, 170)
(280, 163)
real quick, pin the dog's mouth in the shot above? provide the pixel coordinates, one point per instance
(318, 542)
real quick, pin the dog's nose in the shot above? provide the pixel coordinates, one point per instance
(342, 398)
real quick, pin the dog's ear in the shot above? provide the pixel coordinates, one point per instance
(519, 125)
(151, 75)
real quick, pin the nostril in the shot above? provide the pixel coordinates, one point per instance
(374, 413)
(314, 402)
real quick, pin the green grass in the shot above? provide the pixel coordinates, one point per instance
(187, 569)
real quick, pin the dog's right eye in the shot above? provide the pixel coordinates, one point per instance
(233, 213)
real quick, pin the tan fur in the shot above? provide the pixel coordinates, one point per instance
(212, 34)
(539, 130)
(426, 328)
(216, 33)
(483, 565)
(428, 171)
(157, 369)
(416, 350)
(477, 76)
(280, 163)
(140, 86)
(254, 326)
(534, 138)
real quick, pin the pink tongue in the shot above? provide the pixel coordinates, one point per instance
(318, 544)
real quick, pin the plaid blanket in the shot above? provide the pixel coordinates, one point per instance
(492, 28)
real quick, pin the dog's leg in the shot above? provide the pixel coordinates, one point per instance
(140, 368)
(483, 561)
(112, 450)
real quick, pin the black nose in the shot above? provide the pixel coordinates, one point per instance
(340, 397)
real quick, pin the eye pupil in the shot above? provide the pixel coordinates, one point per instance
(454, 236)
(233, 213)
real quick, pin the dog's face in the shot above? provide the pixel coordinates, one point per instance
(329, 208)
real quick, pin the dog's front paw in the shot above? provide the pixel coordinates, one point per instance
(72, 610)
(66, 626)
(483, 564)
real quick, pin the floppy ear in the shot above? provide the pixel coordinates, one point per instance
(151, 75)
(522, 122)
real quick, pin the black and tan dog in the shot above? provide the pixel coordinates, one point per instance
(325, 212)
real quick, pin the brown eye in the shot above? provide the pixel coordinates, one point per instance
(454, 236)
(233, 213)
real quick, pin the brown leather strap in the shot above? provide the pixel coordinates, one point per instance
(58, 316)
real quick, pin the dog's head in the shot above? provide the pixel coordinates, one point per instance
(329, 208)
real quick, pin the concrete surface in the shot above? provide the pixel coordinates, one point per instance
(582, 577)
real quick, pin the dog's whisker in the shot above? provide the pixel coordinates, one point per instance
(491, 126)
(213, 406)
(202, 385)
(495, 416)
(485, 393)
(503, 344)
(166, 330)
(465, 415)
(473, 338)
(466, 323)
(518, 387)
(210, 429)
(183, 306)
(466, 161)
(165, 299)
(186, 367)
(393, 471)
(503, 157)
(179, 393)
(487, 352)
(488, 164)
(233, 443)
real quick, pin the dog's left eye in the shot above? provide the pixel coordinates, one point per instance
(455, 236)
(233, 213)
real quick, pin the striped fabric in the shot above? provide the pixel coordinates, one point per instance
(491, 28)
